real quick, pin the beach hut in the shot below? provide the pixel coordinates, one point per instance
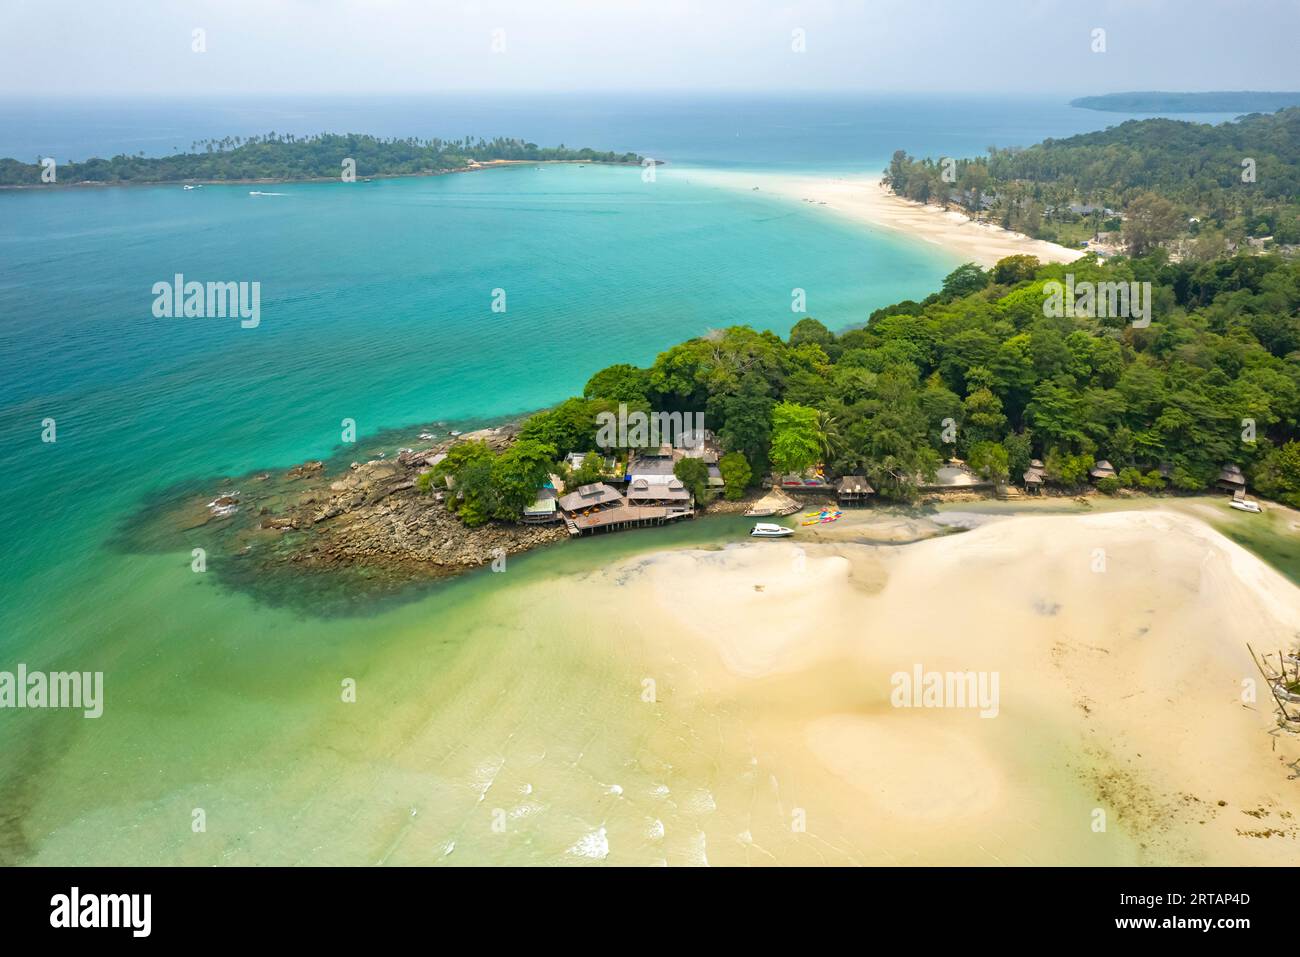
(1231, 479)
(1034, 476)
(1101, 469)
(596, 495)
(665, 491)
(543, 510)
(853, 490)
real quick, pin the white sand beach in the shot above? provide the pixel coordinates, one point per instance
(1119, 639)
(731, 704)
(864, 199)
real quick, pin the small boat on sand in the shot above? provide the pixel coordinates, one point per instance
(768, 530)
(1244, 505)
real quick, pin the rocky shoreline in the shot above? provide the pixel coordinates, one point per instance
(368, 517)
(373, 516)
(341, 533)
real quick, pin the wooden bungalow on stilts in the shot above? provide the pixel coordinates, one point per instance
(853, 490)
(1101, 469)
(1034, 476)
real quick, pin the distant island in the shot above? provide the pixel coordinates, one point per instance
(285, 157)
(1240, 101)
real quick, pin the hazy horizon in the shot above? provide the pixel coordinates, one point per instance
(1063, 96)
(402, 47)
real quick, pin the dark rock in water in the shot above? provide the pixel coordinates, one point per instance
(223, 506)
(339, 542)
(307, 468)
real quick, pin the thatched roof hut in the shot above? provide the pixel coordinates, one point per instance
(853, 489)
(1035, 474)
(857, 484)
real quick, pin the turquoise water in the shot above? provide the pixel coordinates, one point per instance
(376, 305)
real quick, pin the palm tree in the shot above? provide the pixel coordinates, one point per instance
(829, 440)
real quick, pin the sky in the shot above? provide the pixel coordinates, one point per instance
(133, 47)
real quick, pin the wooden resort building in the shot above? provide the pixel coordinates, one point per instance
(1231, 479)
(602, 508)
(1101, 469)
(650, 461)
(1034, 476)
(595, 495)
(716, 481)
(544, 510)
(853, 490)
(663, 491)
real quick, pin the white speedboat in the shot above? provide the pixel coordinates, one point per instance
(768, 530)
(1242, 505)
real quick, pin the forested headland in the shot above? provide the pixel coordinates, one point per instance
(1214, 379)
(1220, 101)
(1201, 189)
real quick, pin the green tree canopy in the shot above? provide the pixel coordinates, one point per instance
(795, 437)
(620, 383)
(736, 474)
(966, 279)
(694, 474)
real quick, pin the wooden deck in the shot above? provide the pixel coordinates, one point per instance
(616, 517)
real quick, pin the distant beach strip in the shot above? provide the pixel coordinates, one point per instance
(864, 200)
